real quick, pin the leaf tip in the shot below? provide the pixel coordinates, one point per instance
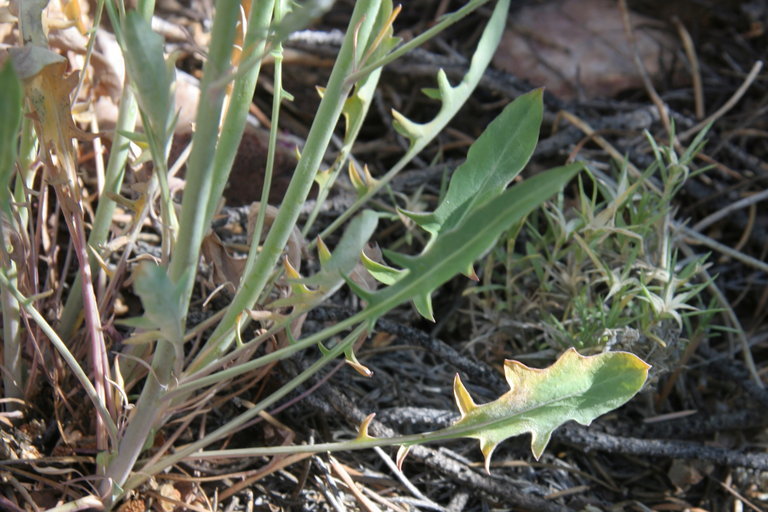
(402, 453)
(463, 400)
(539, 441)
(363, 429)
(487, 447)
(323, 253)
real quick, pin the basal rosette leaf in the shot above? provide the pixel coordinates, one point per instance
(575, 388)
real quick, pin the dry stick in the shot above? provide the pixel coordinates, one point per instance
(732, 101)
(737, 495)
(650, 89)
(329, 398)
(730, 371)
(746, 235)
(590, 439)
(365, 503)
(728, 210)
(402, 478)
(690, 52)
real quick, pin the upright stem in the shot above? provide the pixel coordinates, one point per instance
(263, 263)
(187, 249)
(254, 43)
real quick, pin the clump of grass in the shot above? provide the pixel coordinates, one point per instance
(601, 273)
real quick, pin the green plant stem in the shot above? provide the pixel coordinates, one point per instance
(365, 91)
(150, 405)
(27, 155)
(443, 434)
(13, 376)
(232, 425)
(199, 175)
(446, 21)
(277, 99)
(193, 382)
(458, 96)
(262, 263)
(240, 99)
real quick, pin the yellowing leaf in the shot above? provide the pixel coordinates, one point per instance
(48, 90)
(575, 388)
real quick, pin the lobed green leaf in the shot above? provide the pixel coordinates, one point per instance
(493, 161)
(454, 251)
(575, 388)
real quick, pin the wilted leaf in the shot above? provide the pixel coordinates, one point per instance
(48, 90)
(346, 254)
(574, 388)
(580, 48)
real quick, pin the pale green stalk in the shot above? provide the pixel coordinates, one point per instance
(254, 42)
(13, 374)
(13, 364)
(149, 407)
(446, 21)
(141, 476)
(13, 377)
(319, 136)
(365, 92)
(277, 99)
(450, 105)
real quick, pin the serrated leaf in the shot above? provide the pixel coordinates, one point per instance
(575, 388)
(361, 181)
(362, 430)
(336, 267)
(359, 367)
(423, 304)
(431, 93)
(323, 253)
(454, 251)
(345, 255)
(47, 88)
(493, 161)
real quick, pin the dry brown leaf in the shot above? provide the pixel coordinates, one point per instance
(579, 47)
(132, 506)
(172, 494)
(226, 267)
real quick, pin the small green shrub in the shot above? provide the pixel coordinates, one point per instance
(603, 273)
